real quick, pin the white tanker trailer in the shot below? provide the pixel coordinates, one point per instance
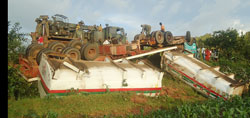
(59, 75)
(203, 78)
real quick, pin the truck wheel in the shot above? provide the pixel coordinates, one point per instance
(90, 51)
(82, 49)
(51, 44)
(39, 55)
(168, 37)
(56, 46)
(27, 50)
(34, 50)
(159, 37)
(75, 43)
(188, 36)
(64, 49)
(72, 52)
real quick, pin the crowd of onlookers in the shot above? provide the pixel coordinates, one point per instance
(207, 54)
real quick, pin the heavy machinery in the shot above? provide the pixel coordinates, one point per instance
(59, 35)
(79, 41)
(162, 39)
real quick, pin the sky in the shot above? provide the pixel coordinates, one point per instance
(197, 16)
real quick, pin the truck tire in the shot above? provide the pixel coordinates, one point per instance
(64, 49)
(159, 37)
(188, 36)
(168, 36)
(82, 50)
(90, 51)
(39, 55)
(72, 52)
(75, 43)
(34, 50)
(56, 46)
(27, 50)
(51, 44)
(152, 34)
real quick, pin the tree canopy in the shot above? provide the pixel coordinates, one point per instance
(17, 86)
(234, 51)
(15, 42)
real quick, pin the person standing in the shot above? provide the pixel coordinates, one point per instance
(198, 53)
(40, 40)
(162, 27)
(208, 54)
(212, 54)
(216, 55)
(203, 53)
(100, 28)
(78, 31)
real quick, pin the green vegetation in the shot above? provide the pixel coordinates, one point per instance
(175, 100)
(15, 41)
(17, 86)
(236, 107)
(174, 93)
(234, 51)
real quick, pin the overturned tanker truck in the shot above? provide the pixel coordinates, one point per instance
(60, 75)
(62, 62)
(205, 79)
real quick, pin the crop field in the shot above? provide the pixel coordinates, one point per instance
(174, 93)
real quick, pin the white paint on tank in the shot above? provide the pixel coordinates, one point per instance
(100, 75)
(203, 73)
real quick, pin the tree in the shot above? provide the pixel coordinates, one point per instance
(246, 46)
(234, 52)
(200, 40)
(17, 86)
(15, 41)
(226, 41)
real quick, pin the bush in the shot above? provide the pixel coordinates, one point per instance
(18, 87)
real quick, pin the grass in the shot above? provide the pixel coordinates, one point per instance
(72, 105)
(174, 93)
(112, 104)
